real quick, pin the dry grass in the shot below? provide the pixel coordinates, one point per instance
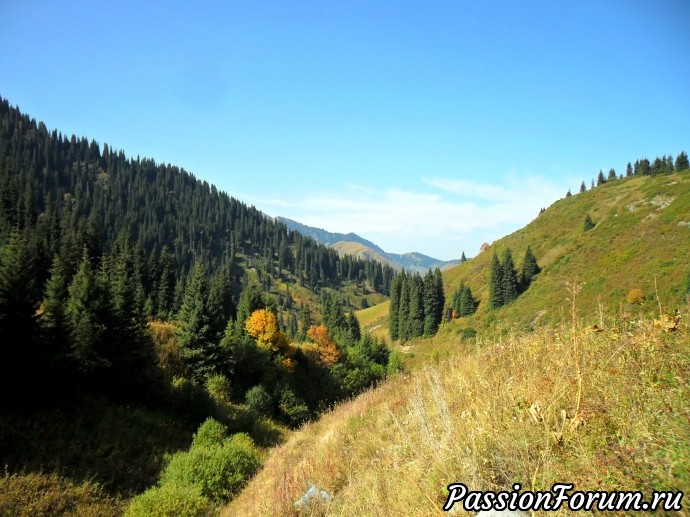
(514, 411)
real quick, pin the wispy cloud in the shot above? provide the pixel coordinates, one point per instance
(460, 217)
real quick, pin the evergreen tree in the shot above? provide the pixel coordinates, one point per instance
(404, 327)
(496, 283)
(612, 175)
(628, 170)
(305, 322)
(568, 194)
(583, 187)
(588, 224)
(530, 268)
(434, 300)
(83, 313)
(251, 300)
(54, 317)
(463, 258)
(510, 278)
(416, 314)
(682, 162)
(600, 178)
(19, 360)
(197, 338)
(354, 330)
(464, 303)
(394, 308)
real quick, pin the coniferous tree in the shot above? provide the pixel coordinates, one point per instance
(463, 258)
(496, 283)
(628, 170)
(416, 314)
(18, 326)
(682, 162)
(464, 303)
(53, 317)
(404, 332)
(197, 337)
(530, 268)
(510, 278)
(434, 300)
(583, 187)
(588, 224)
(394, 308)
(601, 179)
(612, 175)
(83, 313)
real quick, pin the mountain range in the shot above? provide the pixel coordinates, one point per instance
(353, 244)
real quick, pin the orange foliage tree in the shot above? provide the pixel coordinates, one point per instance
(263, 326)
(328, 352)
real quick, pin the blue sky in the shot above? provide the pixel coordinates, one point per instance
(423, 126)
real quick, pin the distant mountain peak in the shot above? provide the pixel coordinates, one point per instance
(411, 261)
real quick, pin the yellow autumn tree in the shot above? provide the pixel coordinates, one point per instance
(328, 352)
(263, 326)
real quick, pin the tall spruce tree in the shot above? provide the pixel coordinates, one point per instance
(530, 269)
(416, 314)
(510, 278)
(434, 301)
(404, 332)
(19, 360)
(495, 283)
(682, 162)
(197, 337)
(394, 308)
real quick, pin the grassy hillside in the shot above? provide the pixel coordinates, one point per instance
(642, 233)
(603, 410)
(540, 395)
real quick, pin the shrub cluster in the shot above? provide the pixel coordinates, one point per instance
(212, 471)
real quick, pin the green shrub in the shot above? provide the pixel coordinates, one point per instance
(190, 399)
(468, 333)
(292, 407)
(259, 401)
(170, 500)
(218, 386)
(218, 470)
(211, 432)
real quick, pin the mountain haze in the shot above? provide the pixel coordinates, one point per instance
(343, 243)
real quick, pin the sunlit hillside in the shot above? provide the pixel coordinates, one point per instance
(602, 410)
(641, 240)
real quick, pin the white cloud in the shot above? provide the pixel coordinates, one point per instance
(461, 217)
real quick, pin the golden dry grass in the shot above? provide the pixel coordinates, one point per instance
(515, 410)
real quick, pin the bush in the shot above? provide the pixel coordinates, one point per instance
(211, 432)
(468, 333)
(293, 407)
(218, 386)
(635, 296)
(259, 401)
(191, 400)
(170, 500)
(218, 470)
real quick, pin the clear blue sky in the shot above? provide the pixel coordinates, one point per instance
(423, 126)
